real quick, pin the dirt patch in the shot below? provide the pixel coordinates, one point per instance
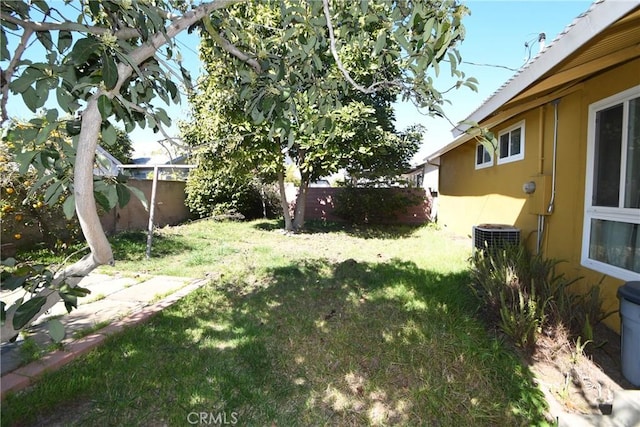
(66, 414)
(580, 382)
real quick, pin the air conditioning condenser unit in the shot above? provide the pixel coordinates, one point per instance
(495, 236)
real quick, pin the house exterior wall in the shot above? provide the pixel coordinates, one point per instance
(490, 195)
(470, 196)
(415, 178)
(431, 177)
(424, 176)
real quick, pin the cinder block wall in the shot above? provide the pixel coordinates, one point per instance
(170, 208)
(321, 203)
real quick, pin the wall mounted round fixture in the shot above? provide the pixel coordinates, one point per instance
(529, 187)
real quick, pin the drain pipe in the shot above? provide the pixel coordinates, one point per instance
(541, 123)
(555, 103)
(434, 199)
(540, 233)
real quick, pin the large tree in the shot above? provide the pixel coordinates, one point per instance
(317, 93)
(105, 61)
(390, 159)
(109, 61)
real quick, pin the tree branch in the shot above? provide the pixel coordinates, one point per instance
(374, 87)
(7, 75)
(125, 33)
(172, 140)
(230, 47)
(334, 51)
(147, 50)
(101, 252)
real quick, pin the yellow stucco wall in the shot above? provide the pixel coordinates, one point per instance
(494, 195)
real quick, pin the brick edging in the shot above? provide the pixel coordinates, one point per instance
(27, 375)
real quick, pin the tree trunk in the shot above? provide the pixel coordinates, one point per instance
(264, 202)
(101, 252)
(87, 215)
(83, 186)
(301, 204)
(288, 226)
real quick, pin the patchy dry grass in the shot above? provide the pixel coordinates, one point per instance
(335, 327)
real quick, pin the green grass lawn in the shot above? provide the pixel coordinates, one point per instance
(333, 327)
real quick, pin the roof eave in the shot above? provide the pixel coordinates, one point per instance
(450, 146)
(584, 29)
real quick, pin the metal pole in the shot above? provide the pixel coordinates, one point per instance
(152, 211)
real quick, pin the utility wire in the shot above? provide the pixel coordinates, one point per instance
(488, 65)
(186, 46)
(528, 46)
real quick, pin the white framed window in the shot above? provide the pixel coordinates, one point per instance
(511, 144)
(611, 231)
(484, 157)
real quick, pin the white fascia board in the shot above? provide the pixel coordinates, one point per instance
(434, 158)
(599, 17)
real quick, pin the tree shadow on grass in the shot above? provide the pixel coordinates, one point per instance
(132, 245)
(362, 231)
(388, 342)
(309, 343)
(269, 225)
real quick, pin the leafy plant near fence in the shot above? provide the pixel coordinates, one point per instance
(36, 178)
(31, 207)
(524, 295)
(216, 191)
(362, 205)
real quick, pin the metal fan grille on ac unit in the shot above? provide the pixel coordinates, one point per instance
(495, 236)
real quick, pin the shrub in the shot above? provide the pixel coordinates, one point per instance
(522, 315)
(216, 192)
(362, 205)
(524, 295)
